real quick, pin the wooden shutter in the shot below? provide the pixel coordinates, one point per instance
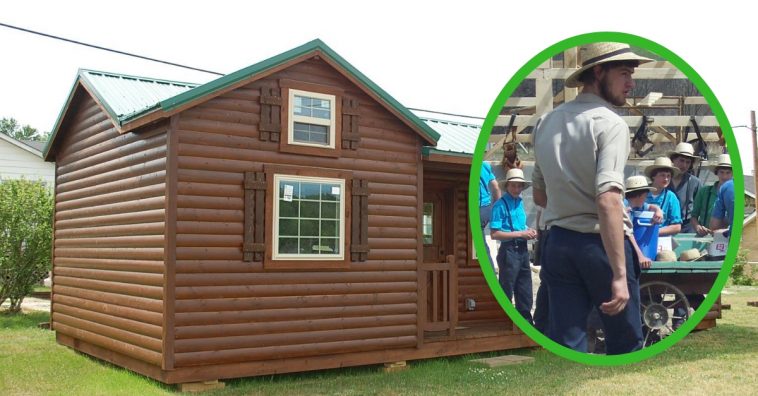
(270, 126)
(255, 201)
(350, 134)
(359, 222)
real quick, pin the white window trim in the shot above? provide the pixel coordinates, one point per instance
(311, 120)
(308, 257)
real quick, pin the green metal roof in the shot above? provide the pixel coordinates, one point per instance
(457, 135)
(127, 98)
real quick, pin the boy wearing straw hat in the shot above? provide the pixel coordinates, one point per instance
(637, 189)
(661, 173)
(684, 184)
(581, 149)
(508, 225)
(706, 196)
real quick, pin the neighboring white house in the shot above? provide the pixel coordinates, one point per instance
(24, 160)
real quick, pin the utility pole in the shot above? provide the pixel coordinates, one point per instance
(755, 161)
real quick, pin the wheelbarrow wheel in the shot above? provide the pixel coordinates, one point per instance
(663, 308)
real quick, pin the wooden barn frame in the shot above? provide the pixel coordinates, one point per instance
(175, 254)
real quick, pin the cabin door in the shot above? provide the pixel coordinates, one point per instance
(439, 272)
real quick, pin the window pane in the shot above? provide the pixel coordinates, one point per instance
(309, 191)
(308, 227)
(309, 246)
(289, 185)
(311, 133)
(312, 107)
(330, 192)
(287, 245)
(427, 223)
(329, 228)
(288, 209)
(329, 210)
(309, 210)
(288, 227)
(330, 245)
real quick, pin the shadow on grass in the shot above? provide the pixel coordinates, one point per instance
(17, 321)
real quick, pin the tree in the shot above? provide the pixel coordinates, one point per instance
(26, 233)
(11, 127)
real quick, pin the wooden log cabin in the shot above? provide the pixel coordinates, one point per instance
(290, 216)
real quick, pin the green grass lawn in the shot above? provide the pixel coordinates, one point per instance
(722, 360)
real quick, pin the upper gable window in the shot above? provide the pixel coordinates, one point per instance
(311, 119)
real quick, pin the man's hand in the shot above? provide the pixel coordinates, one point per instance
(702, 231)
(645, 262)
(529, 234)
(619, 297)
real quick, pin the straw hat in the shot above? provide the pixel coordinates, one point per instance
(685, 150)
(634, 183)
(666, 255)
(724, 162)
(599, 53)
(691, 255)
(516, 175)
(661, 163)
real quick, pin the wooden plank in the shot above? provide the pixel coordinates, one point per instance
(500, 361)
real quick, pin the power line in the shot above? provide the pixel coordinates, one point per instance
(108, 49)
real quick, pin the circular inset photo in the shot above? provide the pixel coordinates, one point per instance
(606, 199)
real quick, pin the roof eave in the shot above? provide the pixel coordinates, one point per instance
(20, 145)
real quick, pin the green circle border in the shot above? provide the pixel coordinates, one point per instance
(489, 122)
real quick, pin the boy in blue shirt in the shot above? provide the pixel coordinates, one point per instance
(661, 173)
(508, 225)
(489, 191)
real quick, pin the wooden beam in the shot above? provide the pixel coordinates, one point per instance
(530, 101)
(641, 73)
(632, 121)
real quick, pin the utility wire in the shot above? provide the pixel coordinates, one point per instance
(108, 49)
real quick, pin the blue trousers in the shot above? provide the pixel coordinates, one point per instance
(578, 275)
(515, 276)
(485, 215)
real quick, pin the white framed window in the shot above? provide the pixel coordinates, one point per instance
(309, 218)
(311, 119)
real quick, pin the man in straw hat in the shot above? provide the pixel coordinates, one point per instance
(661, 172)
(684, 184)
(508, 225)
(581, 149)
(706, 196)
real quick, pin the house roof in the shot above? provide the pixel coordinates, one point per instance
(27, 145)
(129, 99)
(458, 134)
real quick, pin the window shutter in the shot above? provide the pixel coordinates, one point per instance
(255, 193)
(359, 226)
(270, 126)
(350, 115)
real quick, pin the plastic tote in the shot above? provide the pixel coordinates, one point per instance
(646, 233)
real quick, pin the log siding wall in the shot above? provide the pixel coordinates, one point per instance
(109, 235)
(228, 310)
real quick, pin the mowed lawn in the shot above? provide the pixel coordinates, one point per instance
(723, 360)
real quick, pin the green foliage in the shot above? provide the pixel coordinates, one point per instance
(11, 127)
(739, 274)
(26, 214)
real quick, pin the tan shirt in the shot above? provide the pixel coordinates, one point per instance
(581, 149)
